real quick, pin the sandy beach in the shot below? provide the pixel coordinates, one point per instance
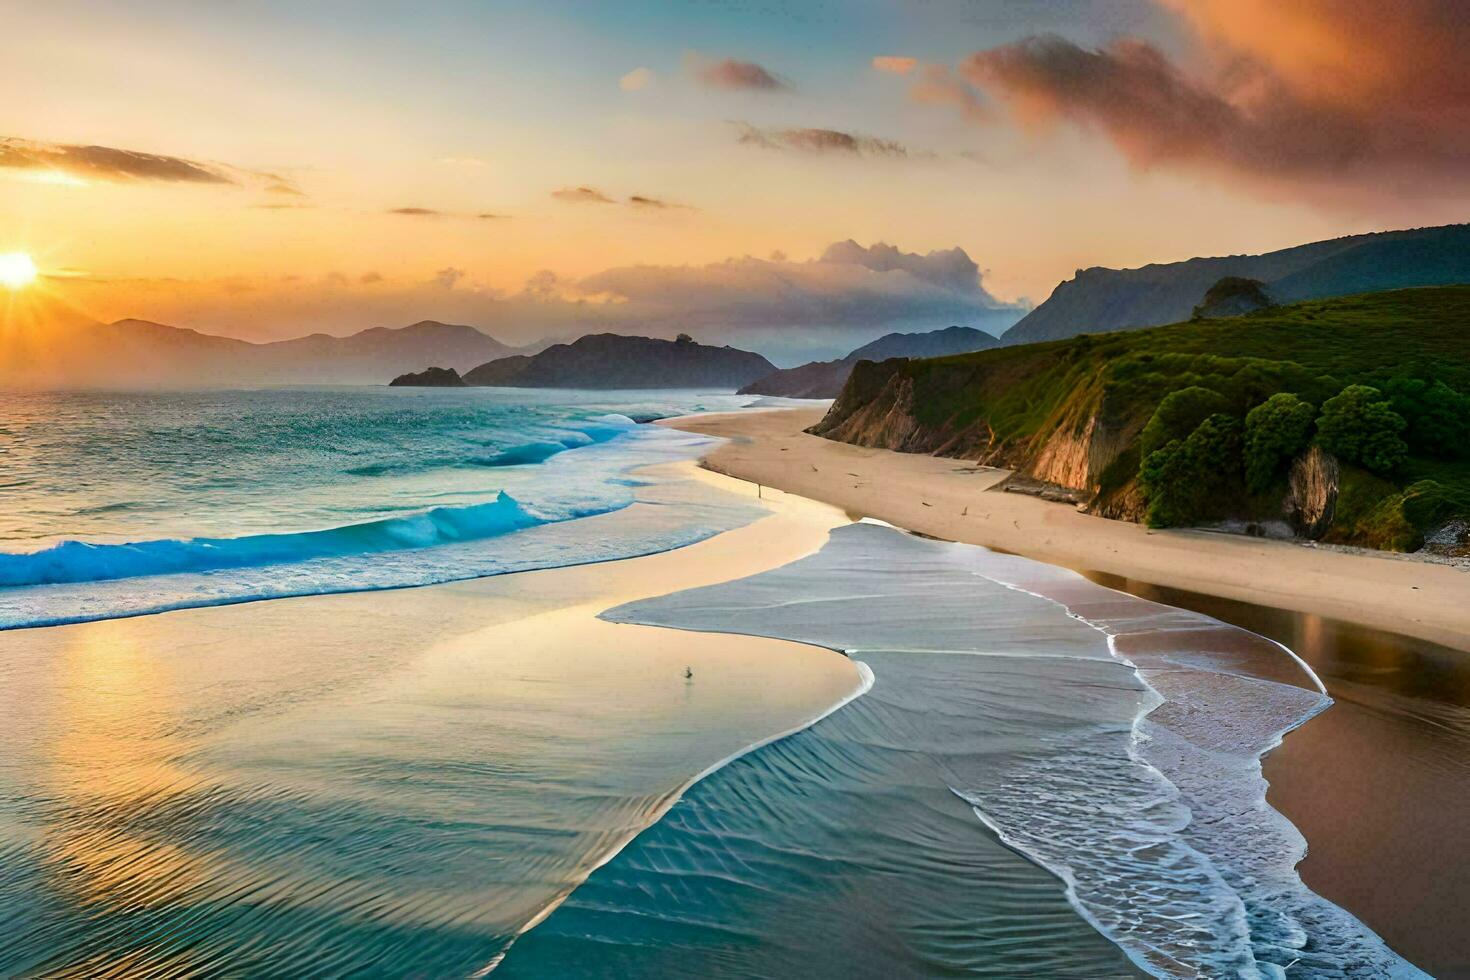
(946, 498)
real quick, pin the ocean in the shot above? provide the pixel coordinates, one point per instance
(999, 768)
(129, 503)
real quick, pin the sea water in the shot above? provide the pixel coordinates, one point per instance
(127, 503)
(1045, 777)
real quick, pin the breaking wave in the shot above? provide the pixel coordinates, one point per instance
(79, 561)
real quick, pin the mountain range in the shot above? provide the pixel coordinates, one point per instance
(824, 379)
(46, 345)
(72, 352)
(1099, 300)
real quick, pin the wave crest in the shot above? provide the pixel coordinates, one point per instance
(80, 561)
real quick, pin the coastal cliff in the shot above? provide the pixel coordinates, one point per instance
(898, 405)
(1288, 417)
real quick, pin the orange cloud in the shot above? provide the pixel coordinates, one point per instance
(106, 163)
(1336, 100)
(416, 212)
(79, 163)
(729, 73)
(637, 80)
(582, 195)
(894, 64)
(643, 202)
(813, 140)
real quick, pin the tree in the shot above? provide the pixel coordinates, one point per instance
(1233, 296)
(1275, 431)
(1177, 415)
(1438, 416)
(1182, 480)
(1359, 426)
(683, 338)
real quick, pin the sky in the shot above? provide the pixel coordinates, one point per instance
(794, 176)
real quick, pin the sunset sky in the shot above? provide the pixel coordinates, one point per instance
(266, 170)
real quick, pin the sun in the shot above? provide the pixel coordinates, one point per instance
(17, 271)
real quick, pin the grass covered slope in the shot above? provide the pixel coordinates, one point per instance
(1167, 424)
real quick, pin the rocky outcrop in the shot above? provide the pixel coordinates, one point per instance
(1311, 496)
(434, 377)
(1232, 296)
(1076, 456)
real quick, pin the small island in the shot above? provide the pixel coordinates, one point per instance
(608, 360)
(434, 377)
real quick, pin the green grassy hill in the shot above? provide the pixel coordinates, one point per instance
(1158, 424)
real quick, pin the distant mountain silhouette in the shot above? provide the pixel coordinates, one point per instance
(824, 379)
(140, 353)
(434, 377)
(1099, 300)
(608, 360)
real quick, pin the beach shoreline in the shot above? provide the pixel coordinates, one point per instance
(1346, 779)
(128, 728)
(947, 498)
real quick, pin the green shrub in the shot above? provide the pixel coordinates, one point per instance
(1359, 426)
(1387, 528)
(1430, 503)
(1179, 414)
(1438, 416)
(1188, 481)
(1275, 431)
(1370, 514)
(1164, 479)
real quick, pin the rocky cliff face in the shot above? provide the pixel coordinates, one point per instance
(884, 406)
(1311, 496)
(877, 408)
(1077, 456)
